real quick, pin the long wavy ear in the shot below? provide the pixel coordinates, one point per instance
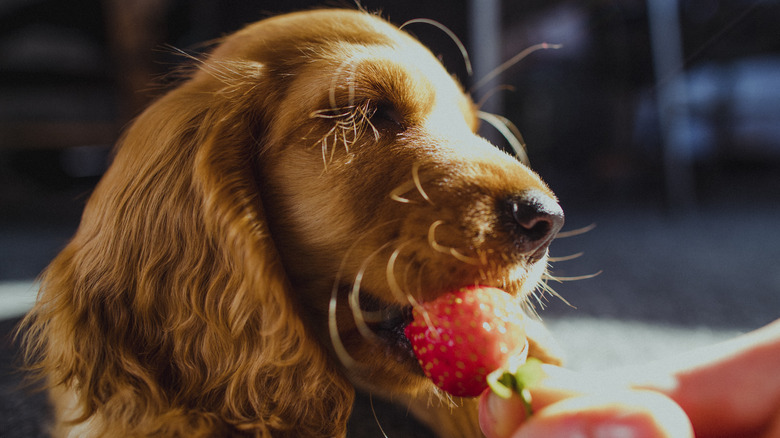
(169, 311)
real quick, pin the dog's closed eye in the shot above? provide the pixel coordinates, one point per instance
(386, 117)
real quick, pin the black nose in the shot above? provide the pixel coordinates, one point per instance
(535, 220)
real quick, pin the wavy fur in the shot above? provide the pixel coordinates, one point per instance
(193, 300)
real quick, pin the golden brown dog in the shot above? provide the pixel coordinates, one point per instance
(253, 251)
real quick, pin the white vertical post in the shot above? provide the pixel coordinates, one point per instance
(672, 102)
(485, 50)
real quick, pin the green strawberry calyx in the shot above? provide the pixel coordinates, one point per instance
(518, 376)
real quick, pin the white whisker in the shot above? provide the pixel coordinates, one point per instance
(432, 238)
(514, 60)
(336, 76)
(395, 194)
(376, 419)
(502, 126)
(548, 289)
(450, 34)
(577, 232)
(446, 249)
(333, 330)
(351, 88)
(419, 281)
(396, 289)
(324, 147)
(464, 258)
(491, 93)
(354, 296)
(565, 258)
(529, 307)
(577, 278)
(335, 338)
(417, 183)
(406, 186)
(392, 282)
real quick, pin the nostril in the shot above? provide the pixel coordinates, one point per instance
(533, 223)
(536, 219)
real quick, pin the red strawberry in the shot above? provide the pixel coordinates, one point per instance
(461, 337)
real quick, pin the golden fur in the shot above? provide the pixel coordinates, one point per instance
(239, 268)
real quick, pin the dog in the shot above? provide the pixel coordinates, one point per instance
(252, 254)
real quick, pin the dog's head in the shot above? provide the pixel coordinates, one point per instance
(266, 226)
(377, 189)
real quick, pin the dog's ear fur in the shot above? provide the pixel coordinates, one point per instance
(170, 305)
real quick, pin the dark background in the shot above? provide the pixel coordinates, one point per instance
(677, 262)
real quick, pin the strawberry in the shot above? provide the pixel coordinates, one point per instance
(463, 336)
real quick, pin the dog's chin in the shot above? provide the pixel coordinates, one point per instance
(386, 363)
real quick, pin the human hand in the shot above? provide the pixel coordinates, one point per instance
(728, 390)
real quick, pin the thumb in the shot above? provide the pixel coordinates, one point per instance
(499, 417)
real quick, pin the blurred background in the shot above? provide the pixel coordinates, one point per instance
(656, 122)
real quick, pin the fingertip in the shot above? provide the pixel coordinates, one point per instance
(499, 417)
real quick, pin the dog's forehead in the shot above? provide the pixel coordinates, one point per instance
(303, 36)
(333, 53)
(405, 64)
(306, 31)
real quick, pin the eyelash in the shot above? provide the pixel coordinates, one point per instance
(352, 122)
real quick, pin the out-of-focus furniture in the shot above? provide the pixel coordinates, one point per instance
(73, 72)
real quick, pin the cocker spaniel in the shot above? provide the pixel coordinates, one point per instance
(252, 254)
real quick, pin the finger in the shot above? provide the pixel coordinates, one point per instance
(644, 414)
(499, 417)
(773, 431)
(696, 381)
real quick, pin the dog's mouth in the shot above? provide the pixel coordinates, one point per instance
(387, 322)
(381, 323)
(390, 330)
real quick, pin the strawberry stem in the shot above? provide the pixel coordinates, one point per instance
(504, 383)
(525, 396)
